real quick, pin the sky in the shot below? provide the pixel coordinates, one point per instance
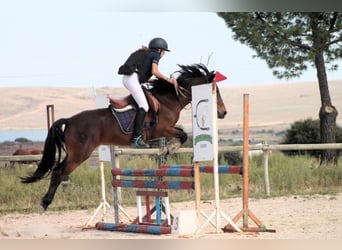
(44, 45)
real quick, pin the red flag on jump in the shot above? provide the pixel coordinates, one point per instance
(219, 77)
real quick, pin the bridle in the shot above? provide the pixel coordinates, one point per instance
(181, 92)
(186, 94)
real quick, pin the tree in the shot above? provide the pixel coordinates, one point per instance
(290, 42)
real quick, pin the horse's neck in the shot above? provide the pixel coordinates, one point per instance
(184, 102)
(176, 103)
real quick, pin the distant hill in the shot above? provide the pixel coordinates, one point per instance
(273, 107)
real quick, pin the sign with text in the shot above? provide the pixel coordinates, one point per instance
(202, 122)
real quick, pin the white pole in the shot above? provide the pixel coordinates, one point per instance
(139, 208)
(215, 161)
(103, 188)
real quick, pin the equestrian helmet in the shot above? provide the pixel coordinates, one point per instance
(158, 43)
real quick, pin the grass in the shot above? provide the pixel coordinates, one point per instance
(288, 176)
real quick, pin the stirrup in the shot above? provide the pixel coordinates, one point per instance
(138, 142)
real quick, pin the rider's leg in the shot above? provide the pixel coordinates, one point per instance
(137, 140)
(131, 82)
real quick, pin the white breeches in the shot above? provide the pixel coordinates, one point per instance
(131, 82)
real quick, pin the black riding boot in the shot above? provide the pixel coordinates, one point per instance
(137, 140)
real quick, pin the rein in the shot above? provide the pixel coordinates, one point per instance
(181, 91)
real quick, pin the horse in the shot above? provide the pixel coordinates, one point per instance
(78, 136)
(21, 151)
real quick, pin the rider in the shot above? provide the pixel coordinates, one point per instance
(142, 73)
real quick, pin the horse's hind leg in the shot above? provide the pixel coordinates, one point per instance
(57, 176)
(55, 181)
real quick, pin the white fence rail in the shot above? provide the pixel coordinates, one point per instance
(266, 148)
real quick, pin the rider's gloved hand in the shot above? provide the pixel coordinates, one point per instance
(174, 82)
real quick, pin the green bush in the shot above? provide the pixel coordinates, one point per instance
(306, 132)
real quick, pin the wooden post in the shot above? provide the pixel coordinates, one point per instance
(197, 180)
(245, 160)
(246, 213)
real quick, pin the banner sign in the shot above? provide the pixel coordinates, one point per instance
(202, 122)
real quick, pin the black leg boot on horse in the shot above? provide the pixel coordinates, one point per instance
(137, 140)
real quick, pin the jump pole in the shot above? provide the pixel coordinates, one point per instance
(206, 148)
(246, 212)
(245, 161)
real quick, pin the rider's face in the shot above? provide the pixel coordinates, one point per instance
(162, 53)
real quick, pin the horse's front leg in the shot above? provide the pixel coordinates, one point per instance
(177, 141)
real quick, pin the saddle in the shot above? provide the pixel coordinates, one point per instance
(124, 110)
(127, 102)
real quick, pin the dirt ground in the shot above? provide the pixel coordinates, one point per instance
(302, 217)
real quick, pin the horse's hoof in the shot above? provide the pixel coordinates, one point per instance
(41, 209)
(163, 151)
(173, 145)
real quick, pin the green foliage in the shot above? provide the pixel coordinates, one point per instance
(301, 175)
(306, 132)
(288, 41)
(288, 176)
(303, 132)
(22, 140)
(231, 158)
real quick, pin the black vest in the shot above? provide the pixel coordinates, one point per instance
(134, 63)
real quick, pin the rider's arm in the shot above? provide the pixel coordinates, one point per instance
(158, 74)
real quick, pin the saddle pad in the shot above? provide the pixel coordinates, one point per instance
(125, 119)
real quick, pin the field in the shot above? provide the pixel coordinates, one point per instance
(272, 108)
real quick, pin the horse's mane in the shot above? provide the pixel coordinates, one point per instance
(189, 72)
(184, 78)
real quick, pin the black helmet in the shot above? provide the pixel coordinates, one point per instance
(158, 43)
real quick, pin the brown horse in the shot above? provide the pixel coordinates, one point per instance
(79, 135)
(21, 151)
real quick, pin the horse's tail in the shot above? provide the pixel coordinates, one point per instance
(54, 143)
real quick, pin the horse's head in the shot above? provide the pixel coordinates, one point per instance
(196, 74)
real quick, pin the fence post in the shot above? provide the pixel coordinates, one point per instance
(265, 166)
